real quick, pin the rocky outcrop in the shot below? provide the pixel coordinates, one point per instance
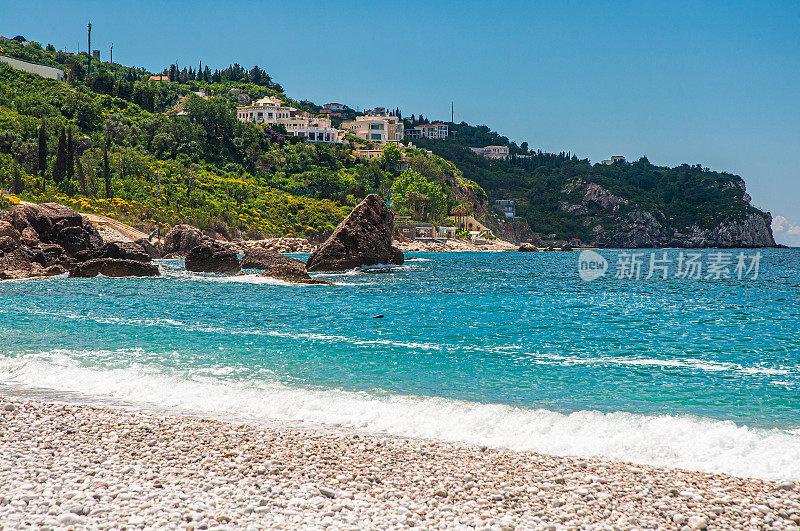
(278, 266)
(753, 231)
(363, 238)
(41, 240)
(183, 238)
(212, 257)
(117, 250)
(527, 248)
(113, 267)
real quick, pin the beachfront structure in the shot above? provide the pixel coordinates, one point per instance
(273, 111)
(492, 152)
(507, 207)
(616, 158)
(34, 68)
(378, 129)
(415, 230)
(437, 131)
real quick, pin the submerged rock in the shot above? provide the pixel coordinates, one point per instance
(278, 266)
(114, 267)
(211, 257)
(363, 238)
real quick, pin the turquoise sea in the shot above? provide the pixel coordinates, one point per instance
(507, 349)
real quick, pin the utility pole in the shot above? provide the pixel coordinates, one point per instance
(89, 52)
(111, 55)
(451, 113)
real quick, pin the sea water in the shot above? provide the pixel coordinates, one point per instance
(511, 350)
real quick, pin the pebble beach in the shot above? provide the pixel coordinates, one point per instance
(73, 466)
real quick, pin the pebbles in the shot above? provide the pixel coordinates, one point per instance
(74, 466)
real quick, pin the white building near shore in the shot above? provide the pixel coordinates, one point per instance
(272, 111)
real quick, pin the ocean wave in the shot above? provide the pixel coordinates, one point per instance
(673, 441)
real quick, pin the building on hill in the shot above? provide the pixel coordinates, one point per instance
(507, 207)
(158, 78)
(273, 111)
(379, 129)
(34, 68)
(334, 106)
(436, 131)
(616, 158)
(492, 152)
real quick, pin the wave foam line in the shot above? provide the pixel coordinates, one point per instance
(672, 441)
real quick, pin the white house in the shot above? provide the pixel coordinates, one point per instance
(437, 131)
(492, 152)
(334, 106)
(272, 111)
(379, 129)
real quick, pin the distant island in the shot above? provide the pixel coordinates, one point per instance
(196, 146)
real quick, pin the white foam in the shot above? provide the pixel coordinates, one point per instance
(673, 441)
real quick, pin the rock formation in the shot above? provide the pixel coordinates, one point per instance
(527, 248)
(114, 267)
(363, 238)
(183, 238)
(49, 239)
(278, 266)
(211, 257)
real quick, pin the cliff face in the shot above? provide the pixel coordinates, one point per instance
(618, 222)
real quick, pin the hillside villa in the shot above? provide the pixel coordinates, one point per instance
(617, 158)
(436, 131)
(378, 129)
(273, 111)
(492, 152)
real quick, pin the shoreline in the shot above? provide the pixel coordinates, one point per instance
(66, 464)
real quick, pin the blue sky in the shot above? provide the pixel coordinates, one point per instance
(716, 83)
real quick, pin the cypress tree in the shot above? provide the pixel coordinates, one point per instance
(107, 173)
(60, 165)
(81, 177)
(70, 155)
(17, 186)
(42, 162)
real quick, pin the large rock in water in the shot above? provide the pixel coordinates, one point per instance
(112, 267)
(183, 238)
(363, 238)
(118, 250)
(278, 266)
(211, 257)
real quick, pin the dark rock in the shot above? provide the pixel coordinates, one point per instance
(55, 269)
(183, 238)
(7, 244)
(118, 250)
(527, 248)
(29, 237)
(54, 254)
(20, 263)
(112, 267)
(278, 266)
(77, 239)
(7, 230)
(212, 257)
(149, 248)
(566, 247)
(363, 238)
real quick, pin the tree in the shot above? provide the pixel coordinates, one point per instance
(107, 173)
(17, 186)
(42, 166)
(391, 156)
(75, 70)
(70, 155)
(81, 176)
(60, 165)
(423, 198)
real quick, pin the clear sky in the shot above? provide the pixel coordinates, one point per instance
(715, 83)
